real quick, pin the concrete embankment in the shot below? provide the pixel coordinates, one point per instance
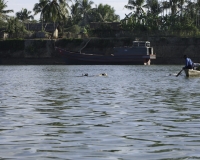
(28, 52)
(169, 50)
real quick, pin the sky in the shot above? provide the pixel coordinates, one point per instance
(17, 6)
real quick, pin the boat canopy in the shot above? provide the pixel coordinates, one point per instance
(141, 43)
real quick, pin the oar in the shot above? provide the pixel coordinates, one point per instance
(179, 73)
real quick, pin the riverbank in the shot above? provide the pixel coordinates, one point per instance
(168, 50)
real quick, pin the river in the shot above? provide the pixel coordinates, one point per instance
(52, 112)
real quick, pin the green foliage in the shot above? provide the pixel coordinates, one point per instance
(51, 12)
(24, 15)
(104, 30)
(3, 24)
(15, 28)
(3, 12)
(74, 29)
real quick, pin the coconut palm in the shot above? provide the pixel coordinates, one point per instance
(75, 13)
(39, 6)
(181, 4)
(105, 13)
(64, 9)
(85, 6)
(137, 6)
(134, 21)
(174, 6)
(3, 12)
(24, 15)
(165, 7)
(153, 6)
(191, 9)
(52, 11)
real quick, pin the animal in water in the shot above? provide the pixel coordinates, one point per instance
(174, 74)
(103, 74)
(86, 74)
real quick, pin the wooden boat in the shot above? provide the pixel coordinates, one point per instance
(192, 73)
(139, 53)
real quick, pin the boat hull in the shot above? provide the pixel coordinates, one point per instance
(81, 58)
(192, 73)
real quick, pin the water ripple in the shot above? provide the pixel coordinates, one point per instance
(52, 112)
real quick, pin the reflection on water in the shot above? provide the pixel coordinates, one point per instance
(136, 112)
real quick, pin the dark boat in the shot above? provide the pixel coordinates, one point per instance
(139, 53)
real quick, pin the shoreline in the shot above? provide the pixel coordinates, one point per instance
(169, 51)
(61, 61)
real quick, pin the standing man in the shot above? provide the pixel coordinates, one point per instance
(188, 63)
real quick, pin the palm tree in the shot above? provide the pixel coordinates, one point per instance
(165, 7)
(24, 15)
(191, 9)
(181, 3)
(3, 12)
(153, 6)
(64, 14)
(75, 12)
(85, 6)
(38, 7)
(51, 12)
(106, 13)
(174, 6)
(136, 5)
(64, 9)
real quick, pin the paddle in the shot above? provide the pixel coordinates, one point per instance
(179, 73)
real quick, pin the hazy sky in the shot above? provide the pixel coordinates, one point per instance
(118, 5)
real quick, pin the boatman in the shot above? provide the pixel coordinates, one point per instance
(188, 63)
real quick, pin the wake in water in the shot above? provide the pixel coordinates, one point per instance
(172, 74)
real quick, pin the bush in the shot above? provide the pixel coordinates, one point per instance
(74, 29)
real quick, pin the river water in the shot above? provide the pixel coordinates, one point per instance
(136, 112)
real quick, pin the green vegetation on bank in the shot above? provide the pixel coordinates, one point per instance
(179, 18)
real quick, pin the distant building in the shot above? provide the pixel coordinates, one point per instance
(47, 27)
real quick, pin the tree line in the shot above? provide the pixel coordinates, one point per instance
(153, 17)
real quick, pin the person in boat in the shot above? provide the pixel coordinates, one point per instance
(188, 63)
